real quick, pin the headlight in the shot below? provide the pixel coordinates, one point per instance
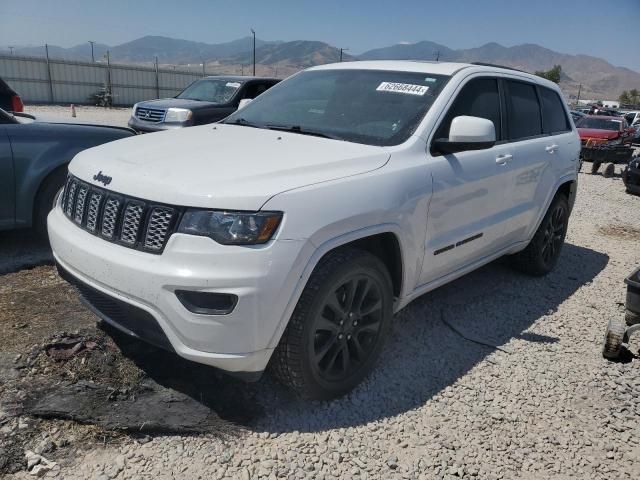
(178, 115)
(135, 107)
(231, 228)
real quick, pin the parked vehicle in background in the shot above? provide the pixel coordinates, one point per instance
(594, 129)
(207, 100)
(631, 176)
(34, 154)
(10, 101)
(292, 231)
(632, 117)
(577, 115)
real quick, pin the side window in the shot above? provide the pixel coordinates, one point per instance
(523, 110)
(478, 98)
(255, 89)
(554, 116)
(629, 117)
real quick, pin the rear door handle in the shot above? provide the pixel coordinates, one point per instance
(551, 148)
(503, 159)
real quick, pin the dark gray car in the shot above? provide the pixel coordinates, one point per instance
(34, 154)
(207, 100)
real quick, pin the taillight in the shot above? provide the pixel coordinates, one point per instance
(16, 104)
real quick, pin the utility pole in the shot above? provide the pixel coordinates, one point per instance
(93, 59)
(157, 80)
(438, 56)
(203, 75)
(242, 69)
(11, 49)
(578, 99)
(254, 51)
(46, 51)
(342, 50)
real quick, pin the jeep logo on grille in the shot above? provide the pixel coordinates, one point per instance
(104, 179)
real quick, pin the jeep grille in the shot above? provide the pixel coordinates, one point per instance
(121, 219)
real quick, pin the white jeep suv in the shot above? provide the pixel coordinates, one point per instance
(289, 234)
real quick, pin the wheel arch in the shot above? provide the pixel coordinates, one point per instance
(60, 169)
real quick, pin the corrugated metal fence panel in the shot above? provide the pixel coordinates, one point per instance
(76, 82)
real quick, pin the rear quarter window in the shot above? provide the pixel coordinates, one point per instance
(554, 116)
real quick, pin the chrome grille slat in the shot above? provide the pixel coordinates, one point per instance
(150, 114)
(78, 214)
(128, 221)
(131, 223)
(110, 217)
(94, 210)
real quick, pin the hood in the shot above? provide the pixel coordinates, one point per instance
(222, 166)
(586, 133)
(165, 103)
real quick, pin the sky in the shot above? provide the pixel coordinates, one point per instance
(602, 28)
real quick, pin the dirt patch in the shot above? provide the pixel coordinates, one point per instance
(67, 385)
(624, 232)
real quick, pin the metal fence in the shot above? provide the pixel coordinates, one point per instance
(48, 80)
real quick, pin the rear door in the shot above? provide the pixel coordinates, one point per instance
(467, 211)
(545, 149)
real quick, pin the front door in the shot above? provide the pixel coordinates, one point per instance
(467, 213)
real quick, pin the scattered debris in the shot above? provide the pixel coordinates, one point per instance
(37, 465)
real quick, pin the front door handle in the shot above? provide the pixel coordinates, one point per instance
(551, 148)
(503, 159)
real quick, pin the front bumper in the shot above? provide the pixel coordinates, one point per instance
(148, 127)
(262, 277)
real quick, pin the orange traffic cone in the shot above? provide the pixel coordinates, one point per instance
(73, 110)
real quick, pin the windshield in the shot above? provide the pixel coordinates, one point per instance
(211, 90)
(599, 124)
(363, 106)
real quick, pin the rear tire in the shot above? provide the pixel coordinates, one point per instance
(613, 339)
(44, 200)
(595, 166)
(609, 170)
(542, 253)
(338, 327)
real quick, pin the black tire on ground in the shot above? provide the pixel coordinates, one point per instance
(542, 253)
(44, 200)
(613, 338)
(631, 318)
(595, 166)
(609, 170)
(338, 327)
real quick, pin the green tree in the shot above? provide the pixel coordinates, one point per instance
(553, 74)
(624, 98)
(634, 96)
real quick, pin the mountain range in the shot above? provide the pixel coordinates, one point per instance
(595, 77)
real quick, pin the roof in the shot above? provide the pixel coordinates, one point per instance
(436, 68)
(239, 78)
(430, 67)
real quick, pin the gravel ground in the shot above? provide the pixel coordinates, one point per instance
(99, 115)
(496, 375)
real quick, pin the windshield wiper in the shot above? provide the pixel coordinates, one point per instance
(244, 122)
(301, 131)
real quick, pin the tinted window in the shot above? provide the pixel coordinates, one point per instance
(523, 110)
(364, 106)
(553, 112)
(478, 98)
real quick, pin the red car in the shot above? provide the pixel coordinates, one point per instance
(10, 101)
(600, 129)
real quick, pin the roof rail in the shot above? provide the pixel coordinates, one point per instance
(483, 64)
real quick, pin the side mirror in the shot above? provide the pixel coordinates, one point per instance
(244, 102)
(467, 133)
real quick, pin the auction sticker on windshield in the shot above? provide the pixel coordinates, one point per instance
(407, 88)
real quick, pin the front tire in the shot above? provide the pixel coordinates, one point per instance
(44, 200)
(338, 327)
(542, 253)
